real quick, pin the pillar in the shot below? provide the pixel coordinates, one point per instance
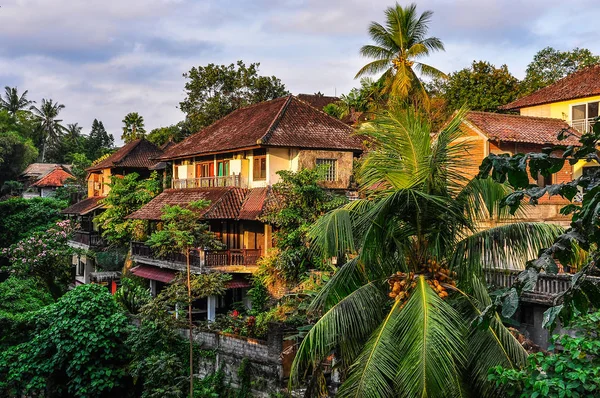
(211, 308)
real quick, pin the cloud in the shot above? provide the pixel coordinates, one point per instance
(104, 58)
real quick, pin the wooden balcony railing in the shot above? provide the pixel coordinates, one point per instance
(233, 180)
(208, 258)
(92, 239)
(547, 285)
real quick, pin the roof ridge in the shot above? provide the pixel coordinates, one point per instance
(263, 140)
(514, 115)
(324, 113)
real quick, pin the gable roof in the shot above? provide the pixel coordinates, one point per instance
(584, 83)
(318, 101)
(282, 122)
(84, 206)
(37, 170)
(55, 178)
(225, 203)
(136, 154)
(516, 128)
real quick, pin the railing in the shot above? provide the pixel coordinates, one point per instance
(92, 239)
(208, 258)
(215, 258)
(547, 285)
(583, 125)
(233, 180)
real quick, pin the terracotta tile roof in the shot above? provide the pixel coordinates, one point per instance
(84, 206)
(139, 154)
(226, 203)
(516, 128)
(318, 101)
(584, 83)
(37, 170)
(285, 121)
(55, 178)
(154, 273)
(254, 204)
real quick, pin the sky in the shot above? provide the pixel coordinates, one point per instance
(104, 58)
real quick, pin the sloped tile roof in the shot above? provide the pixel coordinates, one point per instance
(84, 206)
(37, 170)
(516, 128)
(285, 121)
(584, 83)
(154, 273)
(318, 101)
(254, 204)
(55, 178)
(139, 154)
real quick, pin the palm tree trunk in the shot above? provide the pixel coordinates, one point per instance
(44, 150)
(190, 325)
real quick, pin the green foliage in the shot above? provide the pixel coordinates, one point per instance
(112, 259)
(11, 188)
(45, 256)
(550, 65)
(16, 148)
(50, 127)
(127, 194)
(133, 127)
(214, 91)
(12, 102)
(78, 349)
(571, 369)
(20, 217)
(175, 132)
(481, 87)
(400, 45)
(132, 296)
(582, 236)
(366, 99)
(259, 296)
(182, 230)
(99, 142)
(301, 201)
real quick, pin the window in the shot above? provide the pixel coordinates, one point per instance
(330, 170)
(80, 266)
(544, 181)
(222, 168)
(259, 164)
(583, 115)
(205, 169)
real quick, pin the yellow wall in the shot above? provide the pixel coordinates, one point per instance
(277, 159)
(558, 110)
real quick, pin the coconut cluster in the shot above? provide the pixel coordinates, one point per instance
(438, 278)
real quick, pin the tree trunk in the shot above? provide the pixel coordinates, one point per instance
(190, 325)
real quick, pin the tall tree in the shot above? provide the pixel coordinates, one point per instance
(175, 132)
(99, 142)
(133, 127)
(50, 127)
(13, 102)
(396, 314)
(481, 87)
(399, 46)
(550, 65)
(214, 91)
(16, 152)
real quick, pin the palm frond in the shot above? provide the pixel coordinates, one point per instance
(430, 341)
(373, 68)
(345, 325)
(504, 247)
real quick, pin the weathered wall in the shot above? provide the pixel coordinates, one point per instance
(266, 359)
(308, 159)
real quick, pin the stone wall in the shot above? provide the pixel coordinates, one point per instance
(265, 359)
(307, 159)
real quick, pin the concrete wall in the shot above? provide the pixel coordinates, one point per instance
(266, 362)
(277, 159)
(307, 159)
(557, 110)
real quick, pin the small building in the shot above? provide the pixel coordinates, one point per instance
(136, 156)
(47, 185)
(233, 163)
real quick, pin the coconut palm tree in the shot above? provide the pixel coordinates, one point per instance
(73, 131)
(51, 128)
(13, 102)
(398, 49)
(133, 127)
(397, 313)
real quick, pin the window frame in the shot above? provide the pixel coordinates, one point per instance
(333, 166)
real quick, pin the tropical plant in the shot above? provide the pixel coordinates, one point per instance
(133, 127)
(396, 313)
(132, 296)
(13, 102)
(571, 369)
(51, 128)
(399, 47)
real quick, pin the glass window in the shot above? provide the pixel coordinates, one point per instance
(331, 169)
(578, 112)
(592, 110)
(544, 181)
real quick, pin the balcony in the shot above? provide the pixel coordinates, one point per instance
(583, 125)
(242, 260)
(233, 180)
(87, 238)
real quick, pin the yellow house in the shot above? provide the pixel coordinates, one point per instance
(574, 99)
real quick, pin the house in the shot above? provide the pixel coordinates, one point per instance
(233, 163)
(134, 157)
(35, 171)
(47, 185)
